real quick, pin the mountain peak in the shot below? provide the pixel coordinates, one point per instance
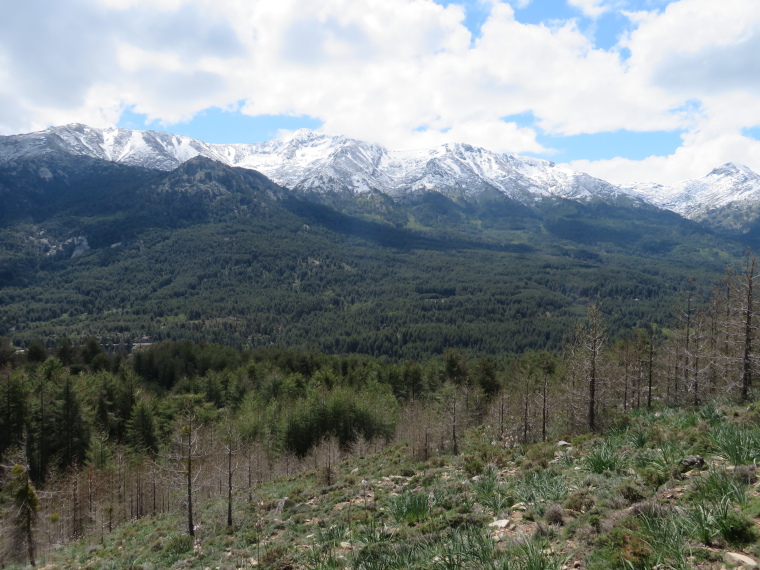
(201, 162)
(732, 169)
(304, 136)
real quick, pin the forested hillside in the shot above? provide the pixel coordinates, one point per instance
(190, 434)
(208, 252)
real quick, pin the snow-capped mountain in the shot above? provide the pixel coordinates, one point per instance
(312, 162)
(726, 197)
(308, 161)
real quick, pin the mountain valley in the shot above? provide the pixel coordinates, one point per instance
(337, 245)
(457, 358)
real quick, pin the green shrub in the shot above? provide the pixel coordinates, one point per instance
(473, 466)
(733, 526)
(624, 547)
(341, 413)
(275, 556)
(539, 455)
(654, 477)
(555, 514)
(581, 500)
(176, 547)
(631, 491)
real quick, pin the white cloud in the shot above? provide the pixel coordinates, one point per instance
(401, 72)
(591, 8)
(700, 153)
(716, 67)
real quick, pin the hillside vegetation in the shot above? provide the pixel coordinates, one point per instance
(665, 488)
(208, 252)
(627, 454)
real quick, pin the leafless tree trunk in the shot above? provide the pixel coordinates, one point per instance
(748, 311)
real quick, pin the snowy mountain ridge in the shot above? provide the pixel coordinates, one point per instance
(731, 186)
(309, 161)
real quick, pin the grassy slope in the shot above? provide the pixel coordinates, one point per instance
(623, 500)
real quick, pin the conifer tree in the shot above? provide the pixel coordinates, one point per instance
(12, 409)
(141, 429)
(24, 506)
(70, 436)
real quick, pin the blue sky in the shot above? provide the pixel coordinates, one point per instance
(222, 126)
(622, 89)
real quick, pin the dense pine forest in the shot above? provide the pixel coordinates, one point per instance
(218, 254)
(93, 438)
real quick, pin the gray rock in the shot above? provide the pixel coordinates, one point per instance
(693, 461)
(739, 560)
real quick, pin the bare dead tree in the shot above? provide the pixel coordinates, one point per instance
(586, 354)
(748, 311)
(230, 444)
(184, 456)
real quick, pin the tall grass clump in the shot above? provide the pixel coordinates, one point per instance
(492, 493)
(391, 556)
(702, 522)
(540, 488)
(656, 466)
(375, 532)
(470, 547)
(711, 414)
(670, 453)
(177, 547)
(321, 553)
(667, 534)
(531, 554)
(741, 444)
(720, 519)
(638, 437)
(718, 485)
(732, 525)
(410, 507)
(487, 482)
(604, 458)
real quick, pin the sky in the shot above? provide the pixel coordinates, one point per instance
(627, 90)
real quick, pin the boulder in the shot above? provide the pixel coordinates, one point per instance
(739, 560)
